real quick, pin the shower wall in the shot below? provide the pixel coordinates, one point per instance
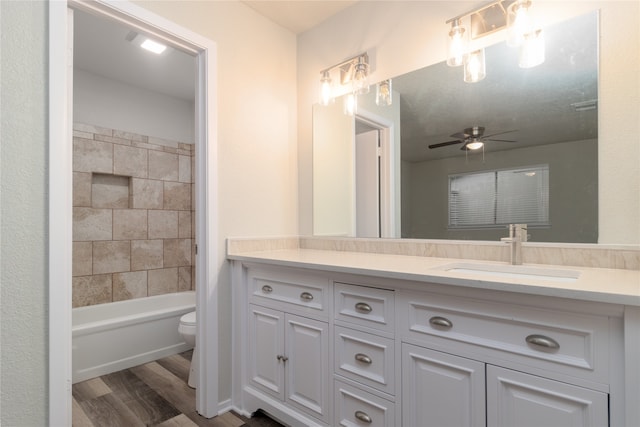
(133, 215)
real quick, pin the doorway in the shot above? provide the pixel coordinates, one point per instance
(60, 194)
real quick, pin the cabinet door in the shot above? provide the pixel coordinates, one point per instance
(307, 365)
(266, 343)
(515, 399)
(441, 390)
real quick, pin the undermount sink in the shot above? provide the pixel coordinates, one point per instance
(513, 271)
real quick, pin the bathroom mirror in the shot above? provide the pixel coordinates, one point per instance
(549, 112)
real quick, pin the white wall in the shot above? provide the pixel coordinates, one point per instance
(108, 103)
(23, 233)
(257, 130)
(402, 36)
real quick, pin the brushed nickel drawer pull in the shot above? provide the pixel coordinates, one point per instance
(363, 307)
(363, 358)
(306, 296)
(362, 416)
(441, 322)
(542, 341)
(267, 289)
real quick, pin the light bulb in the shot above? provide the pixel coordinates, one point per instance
(519, 22)
(360, 81)
(383, 93)
(474, 66)
(532, 50)
(325, 89)
(456, 44)
(350, 104)
(474, 145)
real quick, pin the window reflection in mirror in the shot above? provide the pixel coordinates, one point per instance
(541, 115)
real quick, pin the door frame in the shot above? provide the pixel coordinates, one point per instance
(61, 187)
(388, 183)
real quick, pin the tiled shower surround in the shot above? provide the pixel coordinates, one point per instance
(133, 218)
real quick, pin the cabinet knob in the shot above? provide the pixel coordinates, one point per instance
(362, 416)
(267, 289)
(363, 307)
(363, 358)
(282, 358)
(441, 322)
(542, 341)
(306, 296)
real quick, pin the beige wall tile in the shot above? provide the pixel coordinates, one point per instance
(163, 142)
(184, 224)
(84, 127)
(184, 279)
(130, 136)
(146, 194)
(163, 166)
(112, 139)
(129, 224)
(91, 290)
(82, 259)
(109, 191)
(146, 254)
(129, 285)
(130, 161)
(162, 281)
(177, 196)
(184, 169)
(82, 189)
(163, 224)
(177, 252)
(111, 257)
(91, 224)
(92, 156)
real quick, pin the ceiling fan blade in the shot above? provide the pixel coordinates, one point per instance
(500, 133)
(444, 144)
(499, 140)
(460, 135)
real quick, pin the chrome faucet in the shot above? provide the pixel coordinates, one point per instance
(517, 235)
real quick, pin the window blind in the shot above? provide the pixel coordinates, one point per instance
(499, 197)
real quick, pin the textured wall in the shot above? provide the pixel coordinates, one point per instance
(23, 192)
(133, 233)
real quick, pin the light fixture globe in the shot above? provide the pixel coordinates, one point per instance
(457, 44)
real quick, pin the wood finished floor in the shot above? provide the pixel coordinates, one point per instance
(153, 394)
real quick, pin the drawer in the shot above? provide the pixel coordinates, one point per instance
(365, 358)
(571, 343)
(289, 291)
(365, 306)
(354, 407)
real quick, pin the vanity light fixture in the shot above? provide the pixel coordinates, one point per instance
(384, 95)
(457, 43)
(353, 72)
(514, 15)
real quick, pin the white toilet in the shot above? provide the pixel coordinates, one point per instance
(187, 330)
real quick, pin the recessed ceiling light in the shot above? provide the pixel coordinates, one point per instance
(152, 46)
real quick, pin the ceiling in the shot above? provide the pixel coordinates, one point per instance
(300, 15)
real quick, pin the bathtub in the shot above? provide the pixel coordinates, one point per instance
(115, 336)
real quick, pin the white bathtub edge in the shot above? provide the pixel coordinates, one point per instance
(128, 362)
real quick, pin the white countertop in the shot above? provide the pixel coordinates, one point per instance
(593, 284)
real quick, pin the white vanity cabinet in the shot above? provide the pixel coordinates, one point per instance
(322, 348)
(288, 340)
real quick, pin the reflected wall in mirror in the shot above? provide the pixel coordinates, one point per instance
(546, 115)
